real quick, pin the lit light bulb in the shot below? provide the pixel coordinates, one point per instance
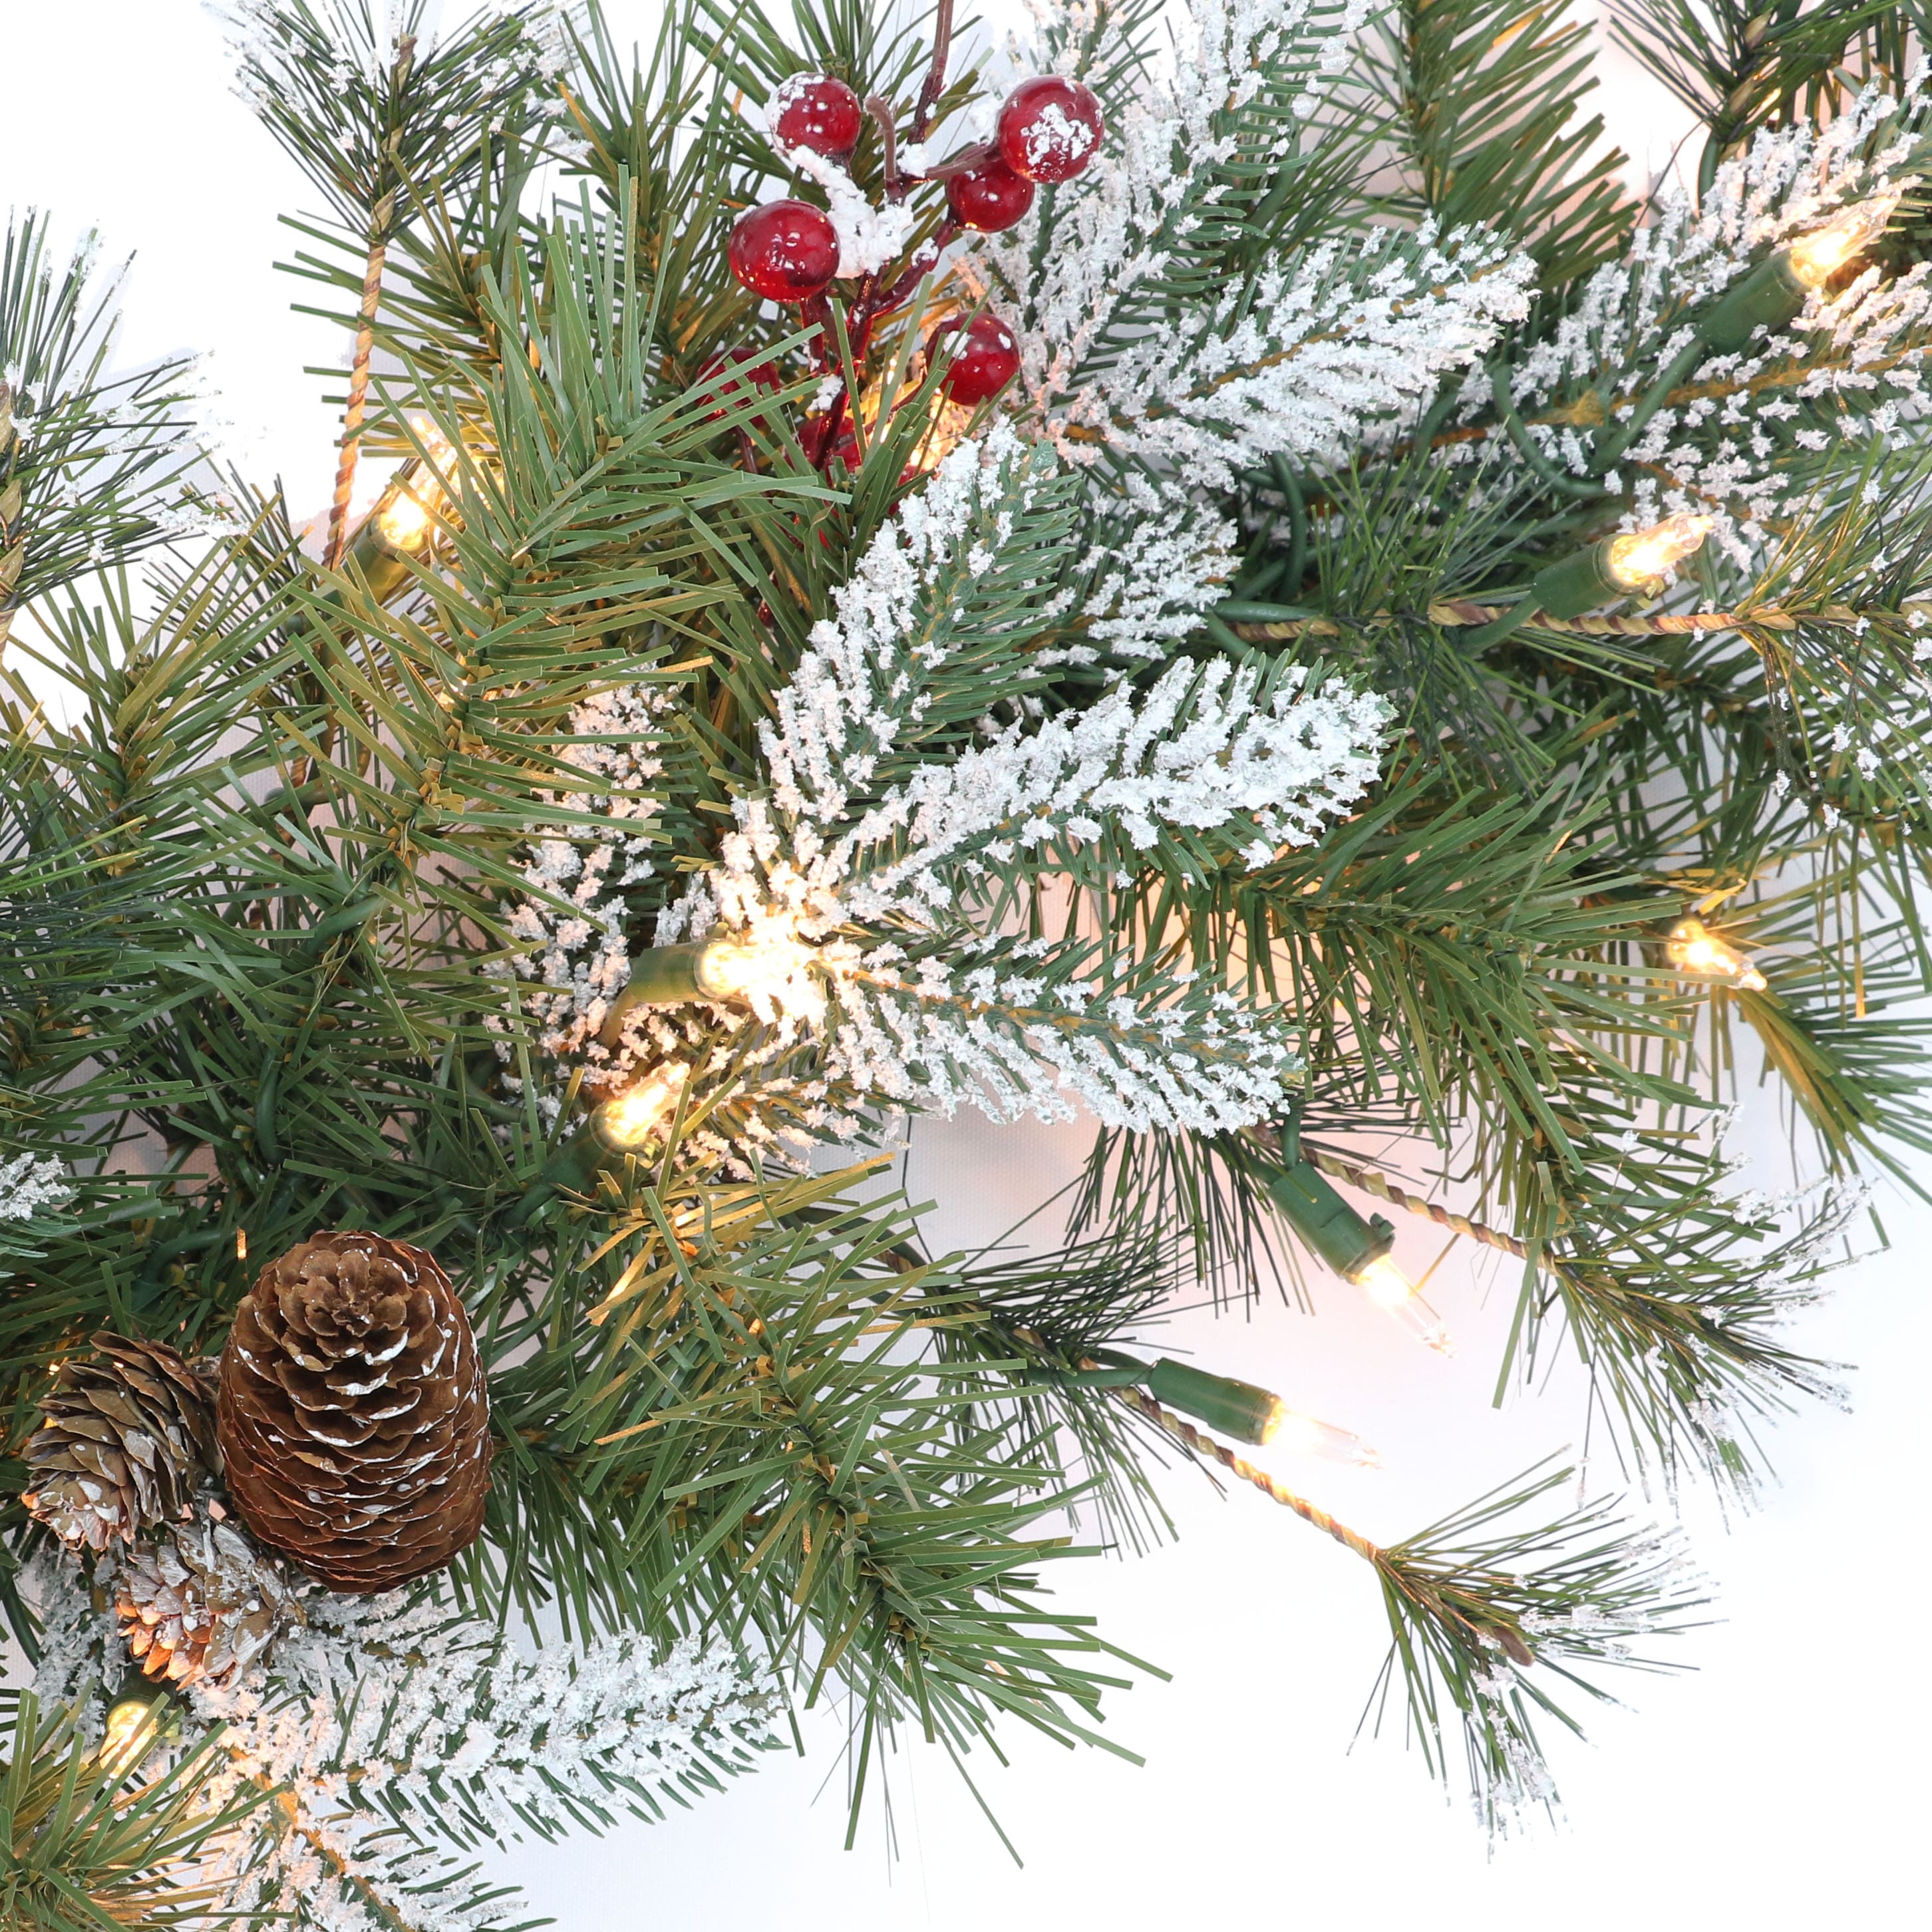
(439, 447)
(1304, 1435)
(1389, 1289)
(1816, 257)
(1639, 559)
(946, 422)
(1691, 946)
(759, 968)
(405, 520)
(133, 1724)
(635, 1115)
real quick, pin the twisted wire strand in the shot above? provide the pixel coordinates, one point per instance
(1384, 1189)
(1449, 613)
(1184, 1433)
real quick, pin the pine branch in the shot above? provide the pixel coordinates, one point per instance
(90, 456)
(1475, 1606)
(1738, 69)
(80, 1851)
(1478, 110)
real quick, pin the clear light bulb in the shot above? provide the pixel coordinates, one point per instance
(759, 968)
(133, 1724)
(1304, 1436)
(1389, 1289)
(405, 520)
(1691, 946)
(636, 1115)
(1816, 257)
(1638, 558)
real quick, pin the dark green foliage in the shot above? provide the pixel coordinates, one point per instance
(1740, 67)
(1475, 113)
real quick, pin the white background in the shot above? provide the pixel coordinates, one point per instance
(1780, 1785)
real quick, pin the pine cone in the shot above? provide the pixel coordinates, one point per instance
(352, 1415)
(200, 1601)
(128, 1435)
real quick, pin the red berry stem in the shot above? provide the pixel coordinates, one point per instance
(922, 261)
(969, 156)
(935, 79)
(881, 109)
(817, 314)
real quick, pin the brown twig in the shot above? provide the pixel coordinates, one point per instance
(1452, 612)
(881, 109)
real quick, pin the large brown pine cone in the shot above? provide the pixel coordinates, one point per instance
(353, 1418)
(199, 1601)
(128, 1436)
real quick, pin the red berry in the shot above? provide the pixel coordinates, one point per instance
(1049, 128)
(786, 250)
(983, 364)
(816, 111)
(732, 390)
(988, 195)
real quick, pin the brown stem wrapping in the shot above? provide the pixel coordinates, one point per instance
(379, 219)
(1384, 1189)
(1184, 1433)
(1450, 613)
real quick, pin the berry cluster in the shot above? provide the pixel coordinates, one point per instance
(790, 250)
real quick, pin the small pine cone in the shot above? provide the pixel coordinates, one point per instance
(353, 1416)
(126, 1437)
(200, 1601)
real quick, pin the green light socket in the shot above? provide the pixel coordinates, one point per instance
(660, 976)
(1768, 298)
(1343, 1239)
(1227, 1407)
(1578, 583)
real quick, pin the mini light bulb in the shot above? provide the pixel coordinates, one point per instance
(630, 1119)
(1389, 1289)
(440, 450)
(1691, 946)
(1639, 559)
(133, 1724)
(759, 968)
(405, 520)
(1816, 257)
(1304, 1436)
